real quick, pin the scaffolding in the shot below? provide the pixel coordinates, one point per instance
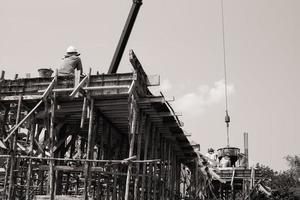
(100, 136)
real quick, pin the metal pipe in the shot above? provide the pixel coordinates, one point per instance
(246, 150)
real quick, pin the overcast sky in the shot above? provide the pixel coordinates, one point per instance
(182, 41)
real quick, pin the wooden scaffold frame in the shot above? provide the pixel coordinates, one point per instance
(98, 136)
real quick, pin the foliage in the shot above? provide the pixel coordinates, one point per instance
(283, 184)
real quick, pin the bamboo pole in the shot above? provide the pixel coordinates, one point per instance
(139, 144)
(11, 187)
(7, 159)
(51, 148)
(108, 155)
(169, 171)
(163, 165)
(173, 168)
(151, 171)
(178, 179)
(34, 128)
(159, 142)
(147, 135)
(89, 151)
(196, 176)
(155, 155)
(45, 142)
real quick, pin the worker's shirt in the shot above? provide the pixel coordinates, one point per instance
(212, 158)
(70, 63)
(242, 162)
(225, 162)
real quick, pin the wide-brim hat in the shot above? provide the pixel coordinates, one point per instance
(72, 51)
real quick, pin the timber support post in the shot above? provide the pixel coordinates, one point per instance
(89, 151)
(133, 124)
(51, 148)
(11, 187)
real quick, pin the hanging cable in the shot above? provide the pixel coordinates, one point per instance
(227, 118)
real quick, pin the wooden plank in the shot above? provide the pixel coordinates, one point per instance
(91, 88)
(49, 88)
(79, 86)
(124, 161)
(25, 97)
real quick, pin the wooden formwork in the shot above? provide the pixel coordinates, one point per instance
(98, 137)
(239, 182)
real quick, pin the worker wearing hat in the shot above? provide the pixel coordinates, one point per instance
(242, 160)
(211, 156)
(71, 61)
(225, 161)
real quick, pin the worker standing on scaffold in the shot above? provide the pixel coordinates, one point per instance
(212, 157)
(71, 61)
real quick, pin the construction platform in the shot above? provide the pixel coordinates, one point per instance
(100, 136)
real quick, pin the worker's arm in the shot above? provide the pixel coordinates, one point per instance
(79, 65)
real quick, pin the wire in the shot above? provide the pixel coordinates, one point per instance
(227, 118)
(224, 55)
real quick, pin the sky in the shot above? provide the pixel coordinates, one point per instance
(182, 42)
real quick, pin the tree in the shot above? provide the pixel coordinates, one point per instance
(294, 163)
(283, 184)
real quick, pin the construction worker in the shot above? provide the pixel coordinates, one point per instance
(211, 156)
(225, 161)
(71, 61)
(242, 160)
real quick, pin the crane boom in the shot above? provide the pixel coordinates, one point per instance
(125, 36)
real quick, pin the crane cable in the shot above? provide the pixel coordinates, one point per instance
(227, 118)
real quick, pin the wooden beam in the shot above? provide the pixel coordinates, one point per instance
(79, 86)
(151, 99)
(22, 121)
(91, 88)
(45, 95)
(49, 88)
(60, 142)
